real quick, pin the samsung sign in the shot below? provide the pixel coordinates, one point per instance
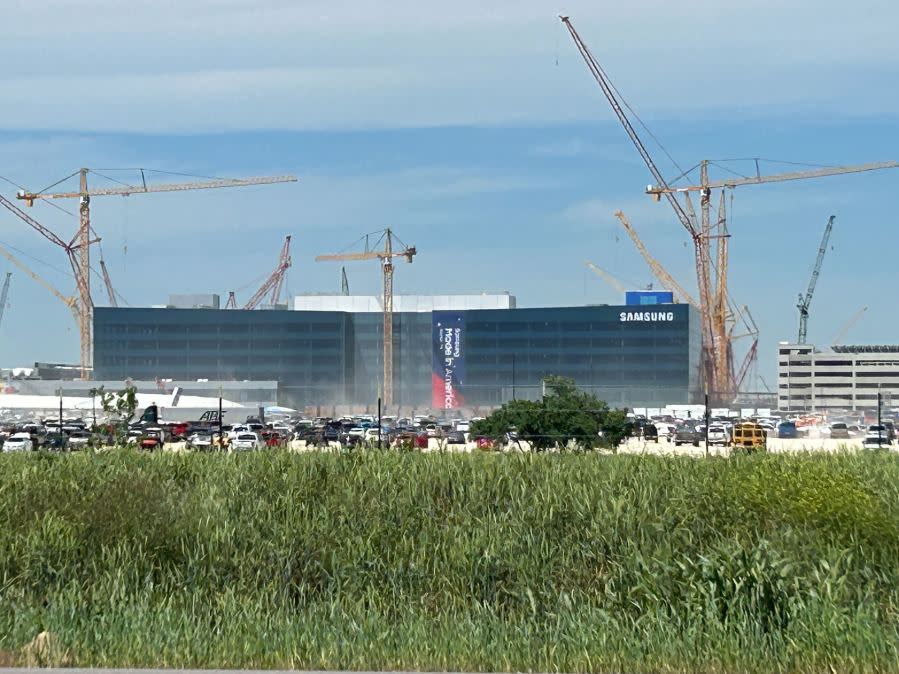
(650, 316)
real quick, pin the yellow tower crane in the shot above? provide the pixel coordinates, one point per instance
(70, 302)
(711, 272)
(666, 279)
(386, 257)
(81, 243)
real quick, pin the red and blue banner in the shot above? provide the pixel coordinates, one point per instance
(448, 359)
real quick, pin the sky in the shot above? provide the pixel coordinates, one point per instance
(473, 129)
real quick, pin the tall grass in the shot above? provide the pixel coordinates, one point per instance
(368, 560)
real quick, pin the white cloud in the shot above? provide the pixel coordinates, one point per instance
(207, 65)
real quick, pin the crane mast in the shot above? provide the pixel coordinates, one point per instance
(79, 248)
(714, 301)
(699, 236)
(805, 302)
(386, 257)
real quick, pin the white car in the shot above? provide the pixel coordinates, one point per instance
(79, 440)
(876, 436)
(463, 426)
(665, 430)
(245, 441)
(372, 434)
(200, 441)
(18, 442)
(718, 435)
(356, 432)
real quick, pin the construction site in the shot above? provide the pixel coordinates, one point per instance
(692, 342)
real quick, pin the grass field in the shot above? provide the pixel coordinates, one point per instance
(568, 562)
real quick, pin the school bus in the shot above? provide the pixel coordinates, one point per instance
(749, 435)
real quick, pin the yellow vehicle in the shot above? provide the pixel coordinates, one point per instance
(749, 435)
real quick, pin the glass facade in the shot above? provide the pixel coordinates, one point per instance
(637, 356)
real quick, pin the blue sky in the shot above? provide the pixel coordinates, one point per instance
(477, 134)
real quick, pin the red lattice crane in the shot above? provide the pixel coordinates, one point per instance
(78, 249)
(717, 314)
(274, 282)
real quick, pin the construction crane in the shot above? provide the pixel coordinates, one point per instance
(70, 302)
(274, 282)
(718, 367)
(848, 325)
(81, 243)
(607, 277)
(344, 282)
(108, 283)
(232, 300)
(4, 295)
(805, 302)
(386, 256)
(666, 279)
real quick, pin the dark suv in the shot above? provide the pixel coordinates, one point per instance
(687, 435)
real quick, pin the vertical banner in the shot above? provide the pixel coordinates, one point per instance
(448, 359)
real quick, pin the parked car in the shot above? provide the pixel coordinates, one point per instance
(152, 438)
(200, 441)
(373, 434)
(648, 432)
(665, 430)
(686, 435)
(56, 441)
(455, 438)
(787, 429)
(18, 442)
(272, 439)
(718, 435)
(246, 441)
(839, 431)
(485, 443)
(876, 436)
(891, 431)
(80, 440)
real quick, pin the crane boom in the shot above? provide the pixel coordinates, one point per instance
(775, 178)
(70, 302)
(714, 379)
(46, 233)
(4, 294)
(847, 325)
(610, 93)
(805, 302)
(82, 241)
(607, 277)
(386, 256)
(108, 283)
(657, 269)
(30, 197)
(275, 279)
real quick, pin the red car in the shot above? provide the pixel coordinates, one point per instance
(272, 439)
(153, 438)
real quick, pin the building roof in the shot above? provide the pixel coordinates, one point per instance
(404, 303)
(867, 348)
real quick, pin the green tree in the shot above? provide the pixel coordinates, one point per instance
(565, 414)
(119, 405)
